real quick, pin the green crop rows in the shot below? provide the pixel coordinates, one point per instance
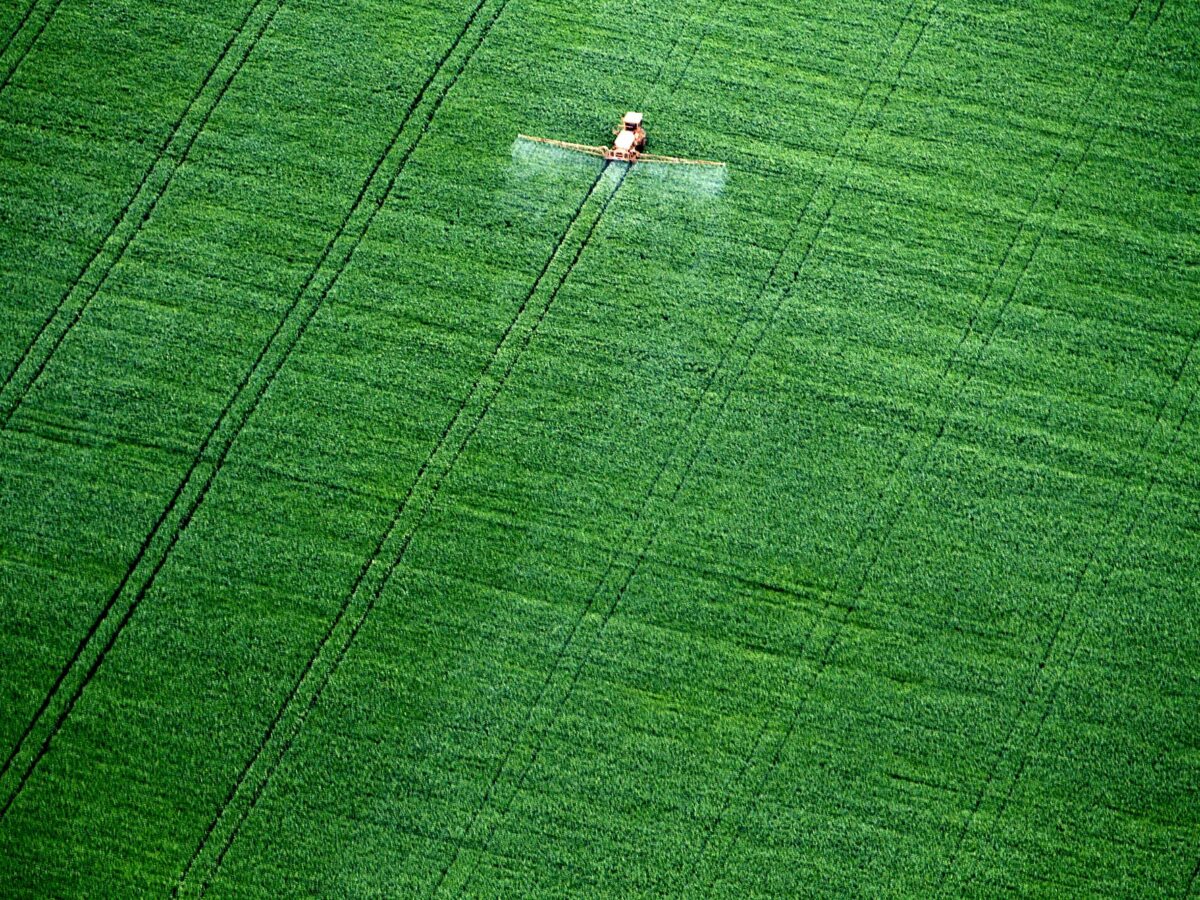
(389, 507)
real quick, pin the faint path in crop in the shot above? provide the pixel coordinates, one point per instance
(23, 51)
(372, 577)
(90, 634)
(406, 535)
(651, 525)
(213, 451)
(862, 541)
(172, 154)
(375, 573)
(20, 26)
(1191, 882)
(1023, 746)
(1008, 745)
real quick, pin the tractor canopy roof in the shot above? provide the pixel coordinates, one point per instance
(624, 140)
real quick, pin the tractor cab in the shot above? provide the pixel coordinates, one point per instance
(630, 138)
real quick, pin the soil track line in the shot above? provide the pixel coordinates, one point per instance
(11, 400)
(87, 637)
(1105, 581)
(885, 532)
(1091, 557)
(485, 394)
(246, 395)
(1010, 744)
(556, 706)
(37, 36)
(460, 842)
(19, 27)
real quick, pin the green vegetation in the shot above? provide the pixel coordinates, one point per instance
(390, 508)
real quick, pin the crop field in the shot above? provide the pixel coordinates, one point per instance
(392, 507)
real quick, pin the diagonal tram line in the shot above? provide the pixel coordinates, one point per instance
(1010, 745)
(323, 678)
(25, 51)
(884, 533)
(137, 210)
(1102, 588)
(729, 791)
(194, 487)
(483, 393)
(18, 28)
(1080, 576)
(8, 761)
(747, 353)
(459, 844)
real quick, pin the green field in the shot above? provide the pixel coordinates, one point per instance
(390, 507)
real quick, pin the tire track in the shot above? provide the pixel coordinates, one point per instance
(1009, 744)
(299, 317)
(1090, 559)
(10, 405)
(90, 634)
(19, 28)
(406, 535)
(1105, 581)
(830, 644)
(647, 544)
(730, 789)
(696, 47)
(666, 58)
(37, 36)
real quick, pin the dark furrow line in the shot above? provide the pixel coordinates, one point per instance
(121, 216)
(84, 436)
(1104, 583)
(669, 55)
(377, 593)
(1055, 634)
(460, 843)
(145, 218)
(589, 603)
(646, 502)
(8, 77)
(827, 653)
(760, 734)
(240, 388)
(19, 27)
(728, 790)
(639, 560)
(969, 330)
(577, 675)
(666, 57)
(96, 624)
(1191, 882)
(687, 429)
(362, 574)
(1053, 695)
(687, 66)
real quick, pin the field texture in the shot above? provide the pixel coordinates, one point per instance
(391, 508)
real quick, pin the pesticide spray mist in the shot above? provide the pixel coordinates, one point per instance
(698, 182)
